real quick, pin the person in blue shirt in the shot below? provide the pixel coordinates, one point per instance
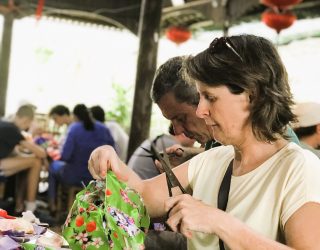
(83, 136)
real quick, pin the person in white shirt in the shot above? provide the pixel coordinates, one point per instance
(120, 137)
(308, 126)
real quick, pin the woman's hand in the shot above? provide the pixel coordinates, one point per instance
(105, 158)
(188, 214)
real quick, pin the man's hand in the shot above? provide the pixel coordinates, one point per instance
(178, 154)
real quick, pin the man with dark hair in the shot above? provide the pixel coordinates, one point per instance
(308, 128)
(13, 162)
(178, 102)
(61, 115)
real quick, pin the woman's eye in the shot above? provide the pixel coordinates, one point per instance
(209, 98)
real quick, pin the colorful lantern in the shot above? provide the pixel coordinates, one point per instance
(178, 35)
(278, 20)
(281, 4)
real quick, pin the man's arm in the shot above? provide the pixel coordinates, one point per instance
(34, 148)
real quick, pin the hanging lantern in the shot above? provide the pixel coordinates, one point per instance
(178, 35)
(281, 4)
(278, 20)
(39, 9)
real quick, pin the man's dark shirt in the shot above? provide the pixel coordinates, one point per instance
(10, 136)
(211, 144)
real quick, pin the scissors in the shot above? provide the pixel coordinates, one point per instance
(172, 180)
(163, 157)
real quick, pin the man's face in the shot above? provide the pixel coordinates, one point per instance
(23, 123)
(183, 118)
(59, 119)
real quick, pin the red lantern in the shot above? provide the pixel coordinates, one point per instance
(282, 4)
(178, 34)
(278, 20)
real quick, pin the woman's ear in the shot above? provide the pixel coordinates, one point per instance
(249, 97)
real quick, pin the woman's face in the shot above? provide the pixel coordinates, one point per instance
(225, 113)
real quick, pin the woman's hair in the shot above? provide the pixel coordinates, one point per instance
(83, 115)
(98, 113)
(248, 63)
(168, 79)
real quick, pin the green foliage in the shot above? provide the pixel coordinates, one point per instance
(121, 109)
(43, 54)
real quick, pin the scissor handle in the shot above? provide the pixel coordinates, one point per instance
(171, 178)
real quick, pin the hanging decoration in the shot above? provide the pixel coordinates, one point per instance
(281, 4)
(278, 20)
(279, 16)
(39, 9)
(178, 35)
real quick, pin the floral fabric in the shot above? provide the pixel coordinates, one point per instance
(107, 215)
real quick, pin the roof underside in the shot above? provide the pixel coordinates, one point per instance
(124, 14)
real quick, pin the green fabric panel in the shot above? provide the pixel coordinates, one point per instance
(107, 215)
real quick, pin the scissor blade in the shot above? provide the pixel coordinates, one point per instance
(165, 154)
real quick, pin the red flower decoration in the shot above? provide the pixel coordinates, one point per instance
(108, 192)
(91, 226)
(4, 214)
(79, 221)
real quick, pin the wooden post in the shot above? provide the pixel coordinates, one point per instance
(5, 60)
(149, 28)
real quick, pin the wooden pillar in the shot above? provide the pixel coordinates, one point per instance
(5, 60)
(149, 28)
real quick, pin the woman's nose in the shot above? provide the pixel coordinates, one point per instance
(202, 111)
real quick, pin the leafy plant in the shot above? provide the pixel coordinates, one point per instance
(122, 107)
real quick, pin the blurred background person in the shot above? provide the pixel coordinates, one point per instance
(20, 155)
(83, 136)
(62, 118)
(308, 127)
(60, 114)
(121, 138)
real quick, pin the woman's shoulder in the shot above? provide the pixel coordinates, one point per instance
(75, 128)
(74, 125)
(299, 159)
(296, 152)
